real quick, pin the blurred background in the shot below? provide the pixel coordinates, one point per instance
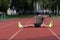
(28, 8)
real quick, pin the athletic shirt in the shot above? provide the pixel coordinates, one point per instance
(39, 19)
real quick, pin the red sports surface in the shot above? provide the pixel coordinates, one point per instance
(9, 30)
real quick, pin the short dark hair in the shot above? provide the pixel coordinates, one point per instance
(38, 13)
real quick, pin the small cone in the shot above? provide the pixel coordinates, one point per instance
(20, 25)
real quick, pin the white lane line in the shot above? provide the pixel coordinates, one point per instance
(15, 34)
(54, 34)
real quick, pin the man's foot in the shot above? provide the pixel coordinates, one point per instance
(51, 24)
(20, 25)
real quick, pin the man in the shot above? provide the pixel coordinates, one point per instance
(39, 22)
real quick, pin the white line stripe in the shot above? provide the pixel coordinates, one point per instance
(15, 34)
(54, 34)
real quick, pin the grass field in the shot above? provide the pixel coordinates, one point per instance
(22, 16)
(56, 17)
(15, 16)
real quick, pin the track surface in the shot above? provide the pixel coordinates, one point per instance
(10, 31)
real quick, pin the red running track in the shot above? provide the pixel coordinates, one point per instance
(10, 31)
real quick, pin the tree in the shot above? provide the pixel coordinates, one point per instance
(4, 4)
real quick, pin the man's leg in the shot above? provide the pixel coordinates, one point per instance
(30, 25)
(44, 25)
(49, 26)
(25, 26)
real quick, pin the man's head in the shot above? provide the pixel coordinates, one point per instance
(39, 14)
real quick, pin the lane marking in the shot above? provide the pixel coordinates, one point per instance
(54, 34)
(15, 34)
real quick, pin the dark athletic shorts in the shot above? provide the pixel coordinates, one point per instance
(37, 24)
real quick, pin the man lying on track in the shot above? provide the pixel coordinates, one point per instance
(39, 22)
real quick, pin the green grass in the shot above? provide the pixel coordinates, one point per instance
(19, 16)
(56, 17)
(23, 16)
(15, 16)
